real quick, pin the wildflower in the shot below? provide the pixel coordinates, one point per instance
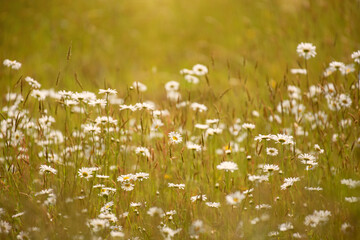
(345, 100)
(200, 69)
(47, 169)
(317, 217)
(155, 211)
(307, 157)
(356, 56)
(345, 226)
(352, 199)
(258, 178)
(248, 126)
(141, 176)
(198, 107)
(117, 234)
(235, 198)
(126, 178)
(175, 137)
(227, 166)
(306, 50)
(5, 227)
(139, 86)
(98, 224)
(38, 94)
(193, 146)
(213, 204)
(186, 71)
(318, 149)
(347, 69)
(285, 226)
(350, 183)
(142, 151)
(173, 96)
(178, 186)
(298, 71)
(108, 91)
(172, 86)
(196, 228)
(191, 79)
(337, 65)
(283, 139)
(262, 206)
(127, 186)
(33, 83)
(200, 198)
(273, 234)
(272, 151)
(201, 126)
(168, 233)
(12, 64)
(313, 188)
(261, 137)
(270, 168)
(86, 172)
(288, 182)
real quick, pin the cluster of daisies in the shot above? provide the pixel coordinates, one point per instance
(104, 153)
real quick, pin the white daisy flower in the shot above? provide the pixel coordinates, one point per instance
(306, 50)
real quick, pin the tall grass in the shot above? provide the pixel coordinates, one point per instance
(199, 162)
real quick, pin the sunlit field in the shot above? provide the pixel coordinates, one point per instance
(178, 120)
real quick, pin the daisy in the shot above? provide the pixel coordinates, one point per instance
(213, 204)
(227, 166)
(155, 211)
(168, 233)
(33, 83)
(193, 146)
(139, 86)
(249, 126)
(200, 198)
(172, 86)
(270, 168)
(198, 107)
(307, 157)
(271, 151)
(126, 178)
(283, 139)
(196, 228)
(191, 79)
(127, 186)
(235, 198)
(47, 169)
(285, 226)
(141, 176)
(288, 182)
(201, 126)
(298, 71)
(85, 172)
(12, 64)
(317, 217)
(306, 50)
(356, 56)
(178, 186)
(350, 183)
(258, 178)
(108, 91)
(5, 227)
(142, 151)
(200, 70)
(175, 137)
(336, 65)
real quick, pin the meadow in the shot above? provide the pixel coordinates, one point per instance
(170, 120)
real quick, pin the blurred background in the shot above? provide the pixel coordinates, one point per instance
(121, 41)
